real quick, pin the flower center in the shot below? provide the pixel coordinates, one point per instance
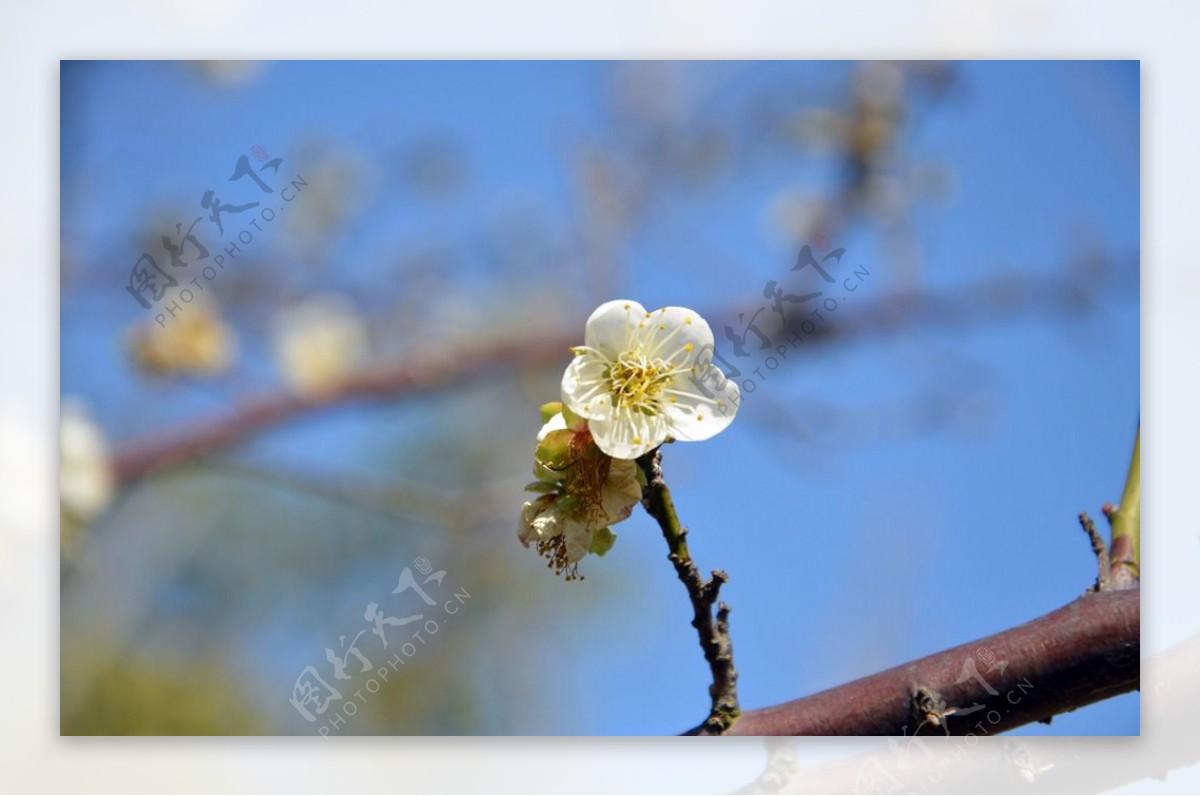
(637, 381)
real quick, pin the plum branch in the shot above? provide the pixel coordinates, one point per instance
(713, 632)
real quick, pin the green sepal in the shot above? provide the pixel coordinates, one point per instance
(553, 456)
(567, 503)
(602, 541)
(549, 410)
(574, 421)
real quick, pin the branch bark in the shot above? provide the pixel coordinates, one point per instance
(1082, 653)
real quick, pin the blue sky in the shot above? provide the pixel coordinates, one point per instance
(854, 546)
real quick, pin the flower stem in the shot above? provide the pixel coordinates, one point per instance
(1126, 524)
(713, 632)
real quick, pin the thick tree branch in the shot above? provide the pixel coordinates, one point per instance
(1082, 653)
(1170, 739)
(714, 636)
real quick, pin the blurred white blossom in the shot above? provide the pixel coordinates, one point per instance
(195, 342)
(319, 342)
(86, 480)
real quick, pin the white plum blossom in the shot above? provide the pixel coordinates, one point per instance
(642, 377)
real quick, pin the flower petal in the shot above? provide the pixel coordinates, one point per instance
(621, 491)
(539, 520)
(629, 433)
(701, 403)
(578, 539)
(585, 387)
(677, 335)
(610, 329)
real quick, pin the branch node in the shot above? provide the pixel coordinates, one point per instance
(927, 707)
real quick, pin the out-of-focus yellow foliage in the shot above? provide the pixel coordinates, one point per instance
(134, 697)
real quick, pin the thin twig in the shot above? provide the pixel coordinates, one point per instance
(1126, 522)
(1103, 581)
(714, 635)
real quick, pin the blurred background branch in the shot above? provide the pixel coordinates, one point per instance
(1004, 299)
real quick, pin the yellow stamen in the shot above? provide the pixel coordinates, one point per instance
(635, 381)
